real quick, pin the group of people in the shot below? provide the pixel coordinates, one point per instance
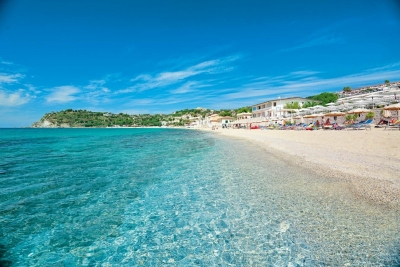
(317, 124)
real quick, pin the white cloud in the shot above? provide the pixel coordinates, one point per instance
(304, 84)
(141, 77)
(185, 88)
(7, 62)
(189, 87)
(63, 94)
(95, 92)
(95, 84)
(10, 78)
(166, 78)
(321, 40)
(13, 99)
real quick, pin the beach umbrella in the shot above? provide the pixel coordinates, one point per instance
(358, 111)
(360, 102)
(393, 107)
(387, 113)
(336, 113)
(318, 107)
(333, 108)
(354, 99)
(315, 115)
(391, 90)
(375, 96)
(346, 107)
(308, 116)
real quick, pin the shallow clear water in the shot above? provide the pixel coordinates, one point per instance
(162, 197)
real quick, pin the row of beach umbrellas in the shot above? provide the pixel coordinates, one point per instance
(354, 111)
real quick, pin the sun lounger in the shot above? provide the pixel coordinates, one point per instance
(393, 126)
(362, 125)
(336, 126)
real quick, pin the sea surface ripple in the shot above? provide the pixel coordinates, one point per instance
(173, 197)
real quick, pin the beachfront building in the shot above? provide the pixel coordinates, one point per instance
(215, 120)
(244, 116)
(274, 110)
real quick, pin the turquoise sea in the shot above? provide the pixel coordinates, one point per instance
(174, 197)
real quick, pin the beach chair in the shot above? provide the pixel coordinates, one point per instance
(337, 127)
(362, 125)
(393, 126)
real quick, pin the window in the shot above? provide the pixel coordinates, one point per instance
(274, 104)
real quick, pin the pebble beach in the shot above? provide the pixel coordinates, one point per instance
(368, 160)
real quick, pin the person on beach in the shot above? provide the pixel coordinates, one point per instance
(382, 122)
(310, 127)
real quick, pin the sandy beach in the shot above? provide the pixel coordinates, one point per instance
(368, 160)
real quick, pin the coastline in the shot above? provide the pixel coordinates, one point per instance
(368, 161)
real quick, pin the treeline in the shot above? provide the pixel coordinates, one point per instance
(85, 118)
(320, 99)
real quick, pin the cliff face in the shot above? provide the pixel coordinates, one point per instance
(43, 123)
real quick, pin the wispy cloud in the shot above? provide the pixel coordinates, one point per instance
(321, 40)
(10, 78)
(146, 81)
(190, 86)
(7, 62)
(95, 92)
(62, 94)
(307, 83)
(13, 99)
(95, 84)
(323, 36)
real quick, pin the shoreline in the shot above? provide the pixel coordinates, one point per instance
(368, 161)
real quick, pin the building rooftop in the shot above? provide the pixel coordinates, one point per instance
(283, 98)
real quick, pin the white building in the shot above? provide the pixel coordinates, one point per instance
(216, 121)
(274, 110)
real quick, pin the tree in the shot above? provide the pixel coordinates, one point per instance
(310, 104)
(224, 113)
(370, 115)
(243, 110)
(325, 98)
(387, 81)
(347, 89)
(294, 105)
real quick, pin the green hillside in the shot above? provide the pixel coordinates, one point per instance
(84, 118)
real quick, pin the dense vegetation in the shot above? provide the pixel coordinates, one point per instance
(324, 98)
(320, 99)
(84, 118)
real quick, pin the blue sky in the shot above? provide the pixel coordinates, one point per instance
(159, 56)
